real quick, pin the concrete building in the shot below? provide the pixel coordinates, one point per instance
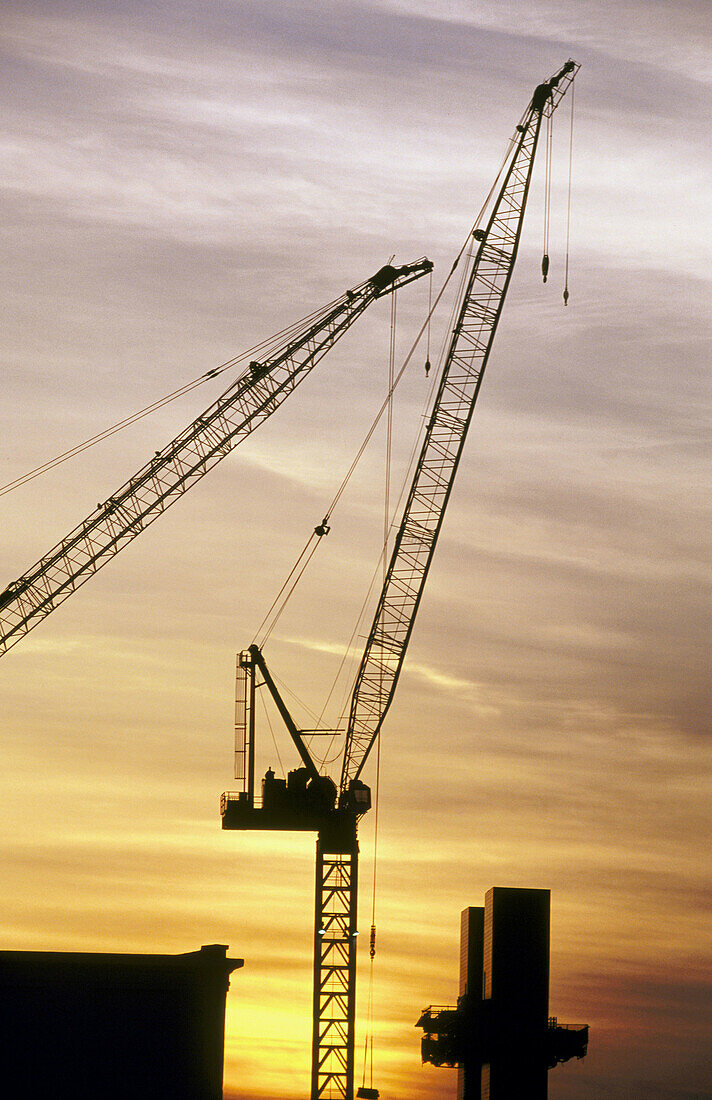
(114, 1026)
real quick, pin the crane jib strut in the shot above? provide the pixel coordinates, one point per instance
(299, 802)
(244, 405)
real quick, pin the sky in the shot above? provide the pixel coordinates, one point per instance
(181, 181)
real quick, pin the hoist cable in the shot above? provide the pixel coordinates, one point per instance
(381, 563)
(430, 307)
(568, 202)
(547, 195)
(549, 157)
(372, 937)
(295, 574)
(160, 402)
(389, 395)
(368, 1044)
(389, 420)
(384, 557)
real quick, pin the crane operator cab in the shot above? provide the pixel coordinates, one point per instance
(356, 798)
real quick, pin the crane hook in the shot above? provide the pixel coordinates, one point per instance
(544, 266)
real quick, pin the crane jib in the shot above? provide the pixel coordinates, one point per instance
(256, 394)
(472, 337)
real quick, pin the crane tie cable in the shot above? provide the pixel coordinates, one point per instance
(386, 528)
(279, 603)
(127, 421)
(295, 574)
(282, 597)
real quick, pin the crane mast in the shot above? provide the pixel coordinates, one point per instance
(244, 405)
(485, 288)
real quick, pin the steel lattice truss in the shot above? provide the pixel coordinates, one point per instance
(334, 974)
(483, 297)
(256, 394)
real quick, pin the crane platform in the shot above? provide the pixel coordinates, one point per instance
(336, 828)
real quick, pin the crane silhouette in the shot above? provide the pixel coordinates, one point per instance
(306, 799)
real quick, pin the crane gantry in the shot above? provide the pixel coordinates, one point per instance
(308, 800)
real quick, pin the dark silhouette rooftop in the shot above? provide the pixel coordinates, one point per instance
(82, 1025)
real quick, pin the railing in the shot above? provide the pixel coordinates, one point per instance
(239, 796)
(554, 1023)
(432, 1010)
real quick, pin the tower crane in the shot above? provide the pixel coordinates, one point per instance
(244, 405)
(308, 800)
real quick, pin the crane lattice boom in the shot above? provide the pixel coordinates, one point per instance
(247, 402)
(483, 297)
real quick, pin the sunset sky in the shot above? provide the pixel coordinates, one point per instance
(181, 180)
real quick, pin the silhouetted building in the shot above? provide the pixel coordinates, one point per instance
(472, 970)
(500, 1035)
(122, 1027)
